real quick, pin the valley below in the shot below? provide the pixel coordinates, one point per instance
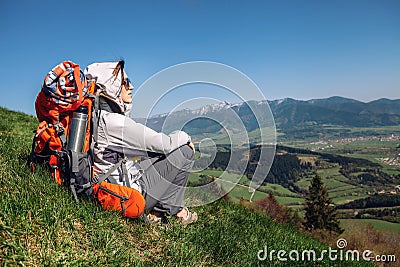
(355, 170)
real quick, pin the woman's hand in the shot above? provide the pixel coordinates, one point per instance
(191, 146)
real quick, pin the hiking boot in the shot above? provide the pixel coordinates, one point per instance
(190, 218)
(159, 218)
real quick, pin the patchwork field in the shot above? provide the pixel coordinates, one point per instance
(340, 191)
(377, 224)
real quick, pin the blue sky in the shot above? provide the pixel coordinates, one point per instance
(298, 49)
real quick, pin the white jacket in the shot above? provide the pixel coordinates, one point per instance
(119, 134)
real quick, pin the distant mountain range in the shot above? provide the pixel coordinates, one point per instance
(336, 111)
(291, 116)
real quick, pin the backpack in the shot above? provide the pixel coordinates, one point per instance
(67, 110)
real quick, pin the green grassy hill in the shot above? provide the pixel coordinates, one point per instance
(40, 224)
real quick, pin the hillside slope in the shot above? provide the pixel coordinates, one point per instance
(41, 225)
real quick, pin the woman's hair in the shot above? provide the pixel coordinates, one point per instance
(119, 69)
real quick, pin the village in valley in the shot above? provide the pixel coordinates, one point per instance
(390, 159)
(394, 191)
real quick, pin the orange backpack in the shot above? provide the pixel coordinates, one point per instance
(67, 109)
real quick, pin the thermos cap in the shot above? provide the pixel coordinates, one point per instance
(82, 109)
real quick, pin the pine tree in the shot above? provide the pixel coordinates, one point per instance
(320, 211)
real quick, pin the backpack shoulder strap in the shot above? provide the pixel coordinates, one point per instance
(95, 117)
(104, 176)
(96, 113)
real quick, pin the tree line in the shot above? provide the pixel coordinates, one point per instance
(286, 169)
(375, 201)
